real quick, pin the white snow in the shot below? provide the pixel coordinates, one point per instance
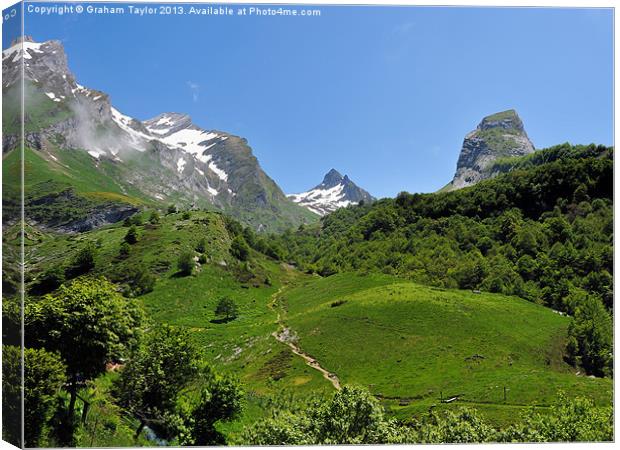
(96, 153)
(159, 130)
(180, 165)
(321, 201)
(190, 140)
(165, 121)
(219, 172)
(123, 122)
(53, 96)
(97, 97)
(22, 48)
(200, 171)
(53, 157)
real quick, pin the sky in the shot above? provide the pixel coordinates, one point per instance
(383, 94)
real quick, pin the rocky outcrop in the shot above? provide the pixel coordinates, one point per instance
(500, 135)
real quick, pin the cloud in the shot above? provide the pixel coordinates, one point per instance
(195, 89)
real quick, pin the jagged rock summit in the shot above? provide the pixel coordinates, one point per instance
(499, 135)
(335, 191)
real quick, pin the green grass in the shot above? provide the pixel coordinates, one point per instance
(411, 344)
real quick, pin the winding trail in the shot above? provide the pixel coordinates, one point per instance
(287, 337)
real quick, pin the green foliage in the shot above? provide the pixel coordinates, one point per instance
(87, 322)
(132, 235)
(154, 218)
(576, 420)
(239, 248)
(351, 416)
(44, 376)
(186, 215)
(84, 261)
(124, 250)
(590, 335)
(226, 308)
(172, 209)
(155, 374)
(11, 394)
(220, 399)
(185, 263)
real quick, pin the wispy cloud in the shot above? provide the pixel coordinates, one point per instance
(195, 90)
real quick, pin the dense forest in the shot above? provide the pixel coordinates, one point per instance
(541, 230)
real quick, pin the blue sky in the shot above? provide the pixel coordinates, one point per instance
(384, 94)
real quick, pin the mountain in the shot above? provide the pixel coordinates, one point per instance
(167, 159)
(334, 192)
(499, 135)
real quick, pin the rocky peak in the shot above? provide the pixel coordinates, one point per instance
(499, 135)
(336, 191)
(507, 120)
(332, 178)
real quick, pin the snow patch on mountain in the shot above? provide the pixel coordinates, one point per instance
(333, 193)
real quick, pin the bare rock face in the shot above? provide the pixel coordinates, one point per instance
(500, 135)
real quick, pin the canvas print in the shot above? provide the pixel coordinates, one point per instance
(240, 224)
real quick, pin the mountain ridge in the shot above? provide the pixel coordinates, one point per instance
(167, 158)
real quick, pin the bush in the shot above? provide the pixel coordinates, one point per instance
(201, 247)
(132, 235)
(172, 209)
(186, 263)
(154, 218)
(240, 249)
(84, 261)
(124, 250)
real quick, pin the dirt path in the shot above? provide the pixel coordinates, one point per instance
(286, 336)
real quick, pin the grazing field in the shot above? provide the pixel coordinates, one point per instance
(412, 345)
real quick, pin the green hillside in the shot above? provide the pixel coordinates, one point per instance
(431, 341)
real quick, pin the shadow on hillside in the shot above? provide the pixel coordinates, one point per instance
(222, 320)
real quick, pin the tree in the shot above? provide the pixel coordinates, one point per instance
(44, 376)
(88, 323)
(186, 263)
(590, 334)
(156, 373)
(226, 308)
(132, 235)
(239, 248)
(84, 260)
(220, 400)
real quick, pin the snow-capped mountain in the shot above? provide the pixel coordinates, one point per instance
(167, 158)
(336, 191)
